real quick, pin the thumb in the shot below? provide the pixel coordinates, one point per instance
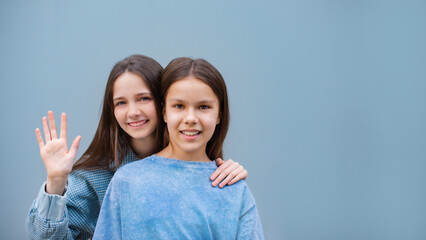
(219, 161)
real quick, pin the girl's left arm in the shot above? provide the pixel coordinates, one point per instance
(228, 173)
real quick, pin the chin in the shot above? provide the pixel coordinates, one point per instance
(139, 136)
(193, 149)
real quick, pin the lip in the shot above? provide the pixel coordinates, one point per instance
(191, 131)
(138, 124)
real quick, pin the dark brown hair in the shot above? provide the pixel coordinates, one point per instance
(110, 143)
(180, 68)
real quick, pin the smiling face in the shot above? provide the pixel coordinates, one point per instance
(134, 107)
(191, 111)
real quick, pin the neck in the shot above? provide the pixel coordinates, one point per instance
(144, 147)
(171, 152)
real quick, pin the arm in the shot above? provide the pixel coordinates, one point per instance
(249, 225)
(48, 216)
(228, 172)
(64, 217)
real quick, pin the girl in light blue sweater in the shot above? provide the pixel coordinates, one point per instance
(166, 195)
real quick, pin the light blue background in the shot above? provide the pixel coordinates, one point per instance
(327, 100)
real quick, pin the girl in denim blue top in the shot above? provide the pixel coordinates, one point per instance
(69, 202)
(167, 195)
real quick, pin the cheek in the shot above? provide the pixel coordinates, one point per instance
(153, 113)
(216, 118)
(211, 122)
(119, 115)
(172, 119)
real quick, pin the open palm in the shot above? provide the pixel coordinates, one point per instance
(56, 157)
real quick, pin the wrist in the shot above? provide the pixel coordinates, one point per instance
(56, 185)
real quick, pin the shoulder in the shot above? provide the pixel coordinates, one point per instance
(88, 182)
(247, 196)
(241, 185)
(240, 190)
(90, 175)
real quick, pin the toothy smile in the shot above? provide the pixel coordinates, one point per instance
(190, 133)
(138, 123)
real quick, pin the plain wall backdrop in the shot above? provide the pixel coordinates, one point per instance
(327, 100)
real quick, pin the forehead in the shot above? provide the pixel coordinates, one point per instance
(128, 83)
(191, 88)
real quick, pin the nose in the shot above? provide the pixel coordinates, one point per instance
(134, 111)
(191, 117)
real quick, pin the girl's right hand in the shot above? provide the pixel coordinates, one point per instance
(56, 157)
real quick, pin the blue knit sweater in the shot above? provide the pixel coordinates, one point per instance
(162, 198)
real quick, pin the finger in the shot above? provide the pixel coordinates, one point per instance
(39, 138)
(225, 173)
(74, 146)
(52, 125)
(63, 126)
(46, 130)
(240, 176)
(244, 174)
(220, 169)
(231, 176)
(219, 162)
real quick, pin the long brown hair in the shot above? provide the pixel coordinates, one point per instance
(110, 143)
(180, 68)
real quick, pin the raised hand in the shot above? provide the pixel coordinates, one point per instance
(228, 172)
(56, 157)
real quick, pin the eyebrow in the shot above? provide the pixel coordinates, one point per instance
(138, 94)
(181, 100)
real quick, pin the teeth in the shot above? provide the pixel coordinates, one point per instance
(190, 133)
(137, 124)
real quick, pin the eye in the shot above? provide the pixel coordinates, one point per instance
(119, 103)
(143, 99)
(178, 106)
(204, 107)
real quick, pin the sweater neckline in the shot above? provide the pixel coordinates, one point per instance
(182, 163)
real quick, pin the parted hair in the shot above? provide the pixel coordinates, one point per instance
(183, 67)
(110, 143)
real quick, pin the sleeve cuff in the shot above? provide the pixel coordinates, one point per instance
(51, 206)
